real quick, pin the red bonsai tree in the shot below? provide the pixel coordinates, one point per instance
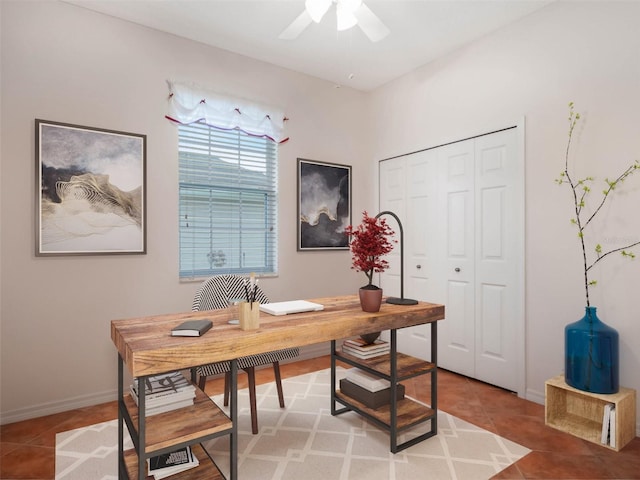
(369, 242)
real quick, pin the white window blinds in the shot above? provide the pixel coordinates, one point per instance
(228, 202)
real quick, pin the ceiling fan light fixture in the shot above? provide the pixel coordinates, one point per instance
(346, 19)
(348, 14)
(317, 8)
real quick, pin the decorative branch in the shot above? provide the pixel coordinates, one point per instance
(581, 190)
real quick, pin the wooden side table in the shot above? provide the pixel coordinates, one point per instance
(580, 413)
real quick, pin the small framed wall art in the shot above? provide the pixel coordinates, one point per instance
(90, 188)
(324, 205)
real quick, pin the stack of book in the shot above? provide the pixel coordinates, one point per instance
(372, 391)
(165, 465)
(165, 392)
(609, 425)
(360, 349)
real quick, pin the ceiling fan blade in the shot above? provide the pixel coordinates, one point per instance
(296, 27)
(370, 24)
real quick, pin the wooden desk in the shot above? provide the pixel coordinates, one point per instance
(146, 347)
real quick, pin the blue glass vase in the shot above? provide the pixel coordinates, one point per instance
(591, 355)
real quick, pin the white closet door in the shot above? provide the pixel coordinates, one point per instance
(419, 240)
(462, 206)
(456, 334)
(414, 200)
(498, 258)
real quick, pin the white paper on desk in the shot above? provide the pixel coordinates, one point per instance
(292, 306)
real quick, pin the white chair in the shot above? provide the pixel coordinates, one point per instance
(214, 294)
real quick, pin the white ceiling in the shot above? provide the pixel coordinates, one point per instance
(421, 31)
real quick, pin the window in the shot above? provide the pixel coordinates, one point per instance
(228, 202)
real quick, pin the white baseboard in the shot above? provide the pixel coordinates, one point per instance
(534, 396)
(50, 408)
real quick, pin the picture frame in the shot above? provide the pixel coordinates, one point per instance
(324, 205)
(90, 190)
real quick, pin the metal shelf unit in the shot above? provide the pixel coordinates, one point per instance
(398, 415)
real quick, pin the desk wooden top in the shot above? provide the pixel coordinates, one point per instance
(147, 347)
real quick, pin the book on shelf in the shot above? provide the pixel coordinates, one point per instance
(158, 386)
(167, 464)
(370, 399)
(157, 401)
(360, 354)
(367, 380)
(191, 328)
(165, 392)
(149, 412)
(360, 349)
(608, 436)
(604, 437)
(362, 346)
(612, 427)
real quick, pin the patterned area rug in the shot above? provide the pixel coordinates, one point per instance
(305, 441)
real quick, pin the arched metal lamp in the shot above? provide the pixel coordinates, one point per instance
(401, 300)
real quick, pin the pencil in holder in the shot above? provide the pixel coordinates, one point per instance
(249, 315)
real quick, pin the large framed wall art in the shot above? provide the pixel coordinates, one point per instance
(324, 205)
(90, 188)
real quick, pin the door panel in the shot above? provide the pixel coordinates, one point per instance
(490, 343)
(492, 213)
(392, 197)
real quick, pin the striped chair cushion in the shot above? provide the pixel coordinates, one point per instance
(214, 294)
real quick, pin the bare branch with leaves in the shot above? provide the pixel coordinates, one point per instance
(581, 189)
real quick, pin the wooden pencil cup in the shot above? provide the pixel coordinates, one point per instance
(249, 315)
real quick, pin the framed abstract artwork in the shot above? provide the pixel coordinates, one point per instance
(324, 205)
(90, 190)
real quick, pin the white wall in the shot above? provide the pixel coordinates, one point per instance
(64, 63)
(586, 52)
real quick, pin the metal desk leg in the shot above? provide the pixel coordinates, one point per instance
(333, 377)
(393, 360)
(233, 438)
(142, 414)
(434, 376)
(121, 465)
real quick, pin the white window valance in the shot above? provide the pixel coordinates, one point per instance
(189, 104)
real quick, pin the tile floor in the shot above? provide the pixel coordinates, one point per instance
(27, 448)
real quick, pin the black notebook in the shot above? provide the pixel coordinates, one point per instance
(191, 328)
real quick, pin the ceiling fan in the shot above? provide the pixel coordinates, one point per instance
(348, 12)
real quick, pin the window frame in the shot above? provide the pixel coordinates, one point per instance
(239, 173)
